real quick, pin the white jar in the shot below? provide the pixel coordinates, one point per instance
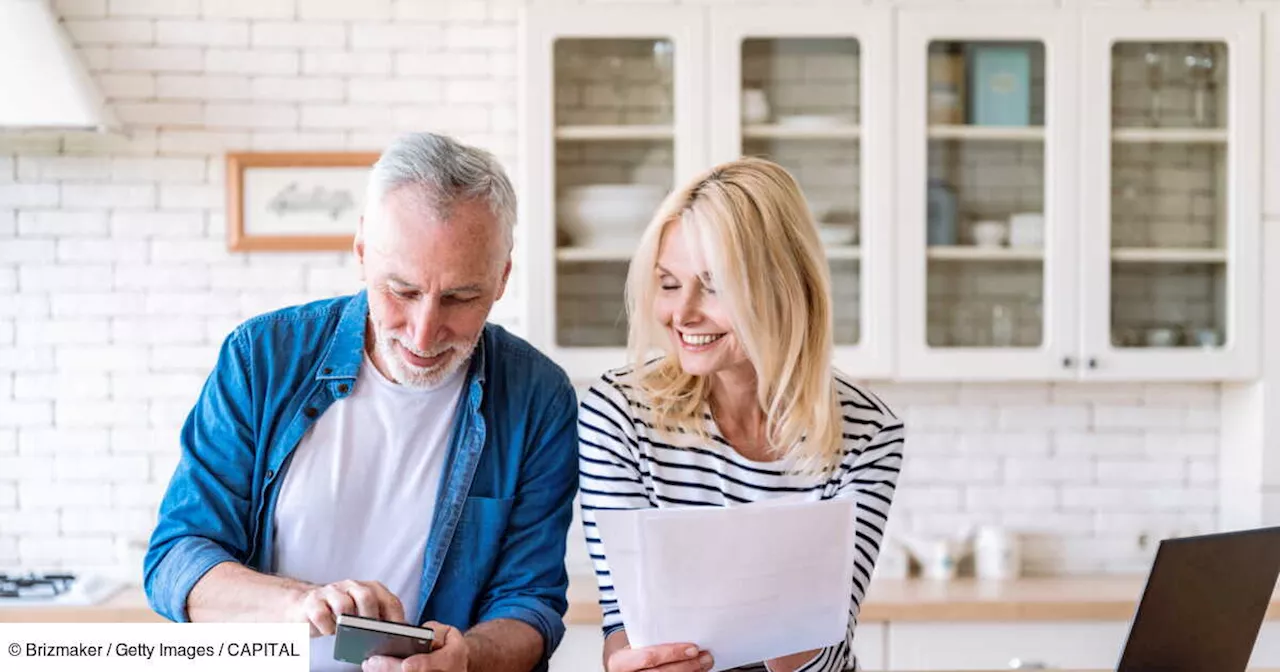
(1026, 229)
(996, 554)
(755, 106)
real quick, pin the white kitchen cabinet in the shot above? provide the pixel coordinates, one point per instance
(613, 116)
(1266, 651)
(1135, 151)
(1171, 195)
(805, 87)
(986, 121)
(1075, 645)
(1089, 210)
(869, 646)
(580, 650)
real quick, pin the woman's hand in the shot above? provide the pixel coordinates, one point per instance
(660, 658)
(681, 657)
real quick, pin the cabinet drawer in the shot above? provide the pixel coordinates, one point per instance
(994, 645)
(1266, 651)
(868, 645)
(580, 650)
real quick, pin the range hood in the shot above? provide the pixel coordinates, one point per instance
(43, 84)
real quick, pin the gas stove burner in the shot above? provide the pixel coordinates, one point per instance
(35, 585)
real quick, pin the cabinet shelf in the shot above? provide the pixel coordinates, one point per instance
(588, 254)
(592, 254)
(624, 132)
(965, 132)
(975, 253)
(844, 252)
(784, 132)
(1170, 135)
(1157, 255)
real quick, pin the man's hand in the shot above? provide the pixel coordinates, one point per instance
(320, 606)
(450, 655)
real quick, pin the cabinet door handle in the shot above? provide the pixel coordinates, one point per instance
(1020, 664)
(1093, 362)
(1068, 362)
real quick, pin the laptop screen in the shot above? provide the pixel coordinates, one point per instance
(1204, 603)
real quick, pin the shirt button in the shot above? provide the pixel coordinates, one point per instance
(343, 388)
(270, 474)
(327, 370)
(310, 412)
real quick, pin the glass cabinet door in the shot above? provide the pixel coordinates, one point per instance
(793, 87)
(982, 220)
(1168, 195)
(985, 194)
(612, 101)
(1169, 198)
(614, 163)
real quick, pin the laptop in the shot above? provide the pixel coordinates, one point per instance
(1204, 603)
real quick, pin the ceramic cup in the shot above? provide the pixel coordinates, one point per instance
(1208, 338)
(1162, 337)
(996, 554)
(989, 233)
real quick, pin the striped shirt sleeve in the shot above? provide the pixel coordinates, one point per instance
(609, 477)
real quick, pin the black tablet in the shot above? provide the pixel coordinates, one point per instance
(360, 638)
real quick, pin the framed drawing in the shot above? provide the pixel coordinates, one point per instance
(295, 201)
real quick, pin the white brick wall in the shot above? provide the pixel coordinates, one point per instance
(116, 287)
(1090, 471)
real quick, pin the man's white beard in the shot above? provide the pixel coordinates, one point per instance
(422, 378)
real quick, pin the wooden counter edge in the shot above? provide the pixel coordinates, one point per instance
(130, 606)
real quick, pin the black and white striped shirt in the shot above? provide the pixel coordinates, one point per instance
(625, 464)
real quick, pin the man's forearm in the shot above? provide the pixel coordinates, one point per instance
(503, 645)
(234, 593)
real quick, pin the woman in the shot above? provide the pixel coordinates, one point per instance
(731, 283)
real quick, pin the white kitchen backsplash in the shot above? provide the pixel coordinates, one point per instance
(116, 287)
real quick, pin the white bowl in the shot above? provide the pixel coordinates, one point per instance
(837, 234)
(608, 215)
(815, 120)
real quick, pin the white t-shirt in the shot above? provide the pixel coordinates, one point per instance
(359, 494)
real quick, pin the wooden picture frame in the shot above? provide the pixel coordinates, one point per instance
(295, 201)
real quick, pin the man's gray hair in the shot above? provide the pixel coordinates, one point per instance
(446, 172)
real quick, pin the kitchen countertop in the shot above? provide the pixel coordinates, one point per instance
(1028, 599)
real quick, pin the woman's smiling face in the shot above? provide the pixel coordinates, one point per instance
(696, 320)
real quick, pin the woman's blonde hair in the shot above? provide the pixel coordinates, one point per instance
(749, 224)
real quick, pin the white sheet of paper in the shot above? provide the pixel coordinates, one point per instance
(621, 532)
(746, 583)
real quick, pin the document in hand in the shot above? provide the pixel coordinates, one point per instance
(747, 583)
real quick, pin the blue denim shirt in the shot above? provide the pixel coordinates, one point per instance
(496, 544)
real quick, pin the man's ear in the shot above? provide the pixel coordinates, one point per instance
(357, 245)
(502, 285)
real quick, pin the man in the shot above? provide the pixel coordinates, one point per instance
(386, 454)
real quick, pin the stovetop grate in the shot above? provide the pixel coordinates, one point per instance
(35, 585)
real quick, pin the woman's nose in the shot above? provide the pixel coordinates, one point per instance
(687, 309)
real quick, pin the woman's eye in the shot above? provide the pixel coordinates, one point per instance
(405, 293)
(669, 287)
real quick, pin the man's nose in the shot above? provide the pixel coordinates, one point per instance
(427, 321)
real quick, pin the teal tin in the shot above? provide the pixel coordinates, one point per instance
(1000, 85)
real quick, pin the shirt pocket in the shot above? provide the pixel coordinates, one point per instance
(477, 541)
